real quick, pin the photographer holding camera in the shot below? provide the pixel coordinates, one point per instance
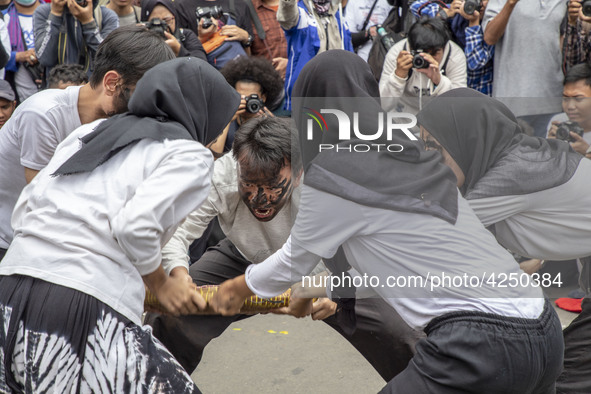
(70, 31)
(464, 19)
(577, 43)
(161, 16)
(427, 63)
(261, 91)
(221, 38)
(238, 30)
(574, 124)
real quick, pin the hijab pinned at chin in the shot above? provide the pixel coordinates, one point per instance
(184, 98)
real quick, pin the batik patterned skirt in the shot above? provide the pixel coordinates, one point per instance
(54, 339)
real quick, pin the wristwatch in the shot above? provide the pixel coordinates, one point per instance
(248, 42)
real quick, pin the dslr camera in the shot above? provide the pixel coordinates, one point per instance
(254, 104)
(417, 60)
(473, 5)
(206, 13)
(586, 4)
(564, 129)
(158, 26)
(37, 71)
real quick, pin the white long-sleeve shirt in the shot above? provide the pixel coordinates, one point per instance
(552, 224)
(99, 232)
(385, 243)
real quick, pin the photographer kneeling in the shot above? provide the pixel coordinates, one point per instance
(261, 89)
(161, 16)
(427, 63)
(574, 124)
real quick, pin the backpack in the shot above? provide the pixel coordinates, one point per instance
(397, 24)
(229, 50)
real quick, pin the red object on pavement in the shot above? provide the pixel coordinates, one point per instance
(569, 304)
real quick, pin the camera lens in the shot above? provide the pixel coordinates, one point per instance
(470, 7)
(419, 62)
(253, 106)
(587, 7)
(563, 133)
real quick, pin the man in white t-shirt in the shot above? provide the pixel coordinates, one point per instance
(576, 103)
(29, 138)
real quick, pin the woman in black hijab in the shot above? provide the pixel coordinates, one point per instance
(88, 234)
(398, 215)
(183, 42)
(533, 193)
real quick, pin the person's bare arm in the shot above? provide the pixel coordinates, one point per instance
(30, 174)
(496, 27)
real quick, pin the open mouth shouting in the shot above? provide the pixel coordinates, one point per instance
(263, 213)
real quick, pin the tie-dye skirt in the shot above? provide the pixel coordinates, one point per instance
(54, 339)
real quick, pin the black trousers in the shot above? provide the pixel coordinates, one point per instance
(576, 377)
(472, 352)
(382, 337)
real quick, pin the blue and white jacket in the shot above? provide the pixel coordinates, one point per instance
(303, 38)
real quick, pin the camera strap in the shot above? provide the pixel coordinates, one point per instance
(366, 22)
(255, 20)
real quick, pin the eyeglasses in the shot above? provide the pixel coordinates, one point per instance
(168, 19)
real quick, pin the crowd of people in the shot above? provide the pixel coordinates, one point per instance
(158, 145)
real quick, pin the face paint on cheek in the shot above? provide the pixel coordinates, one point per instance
(267, 197)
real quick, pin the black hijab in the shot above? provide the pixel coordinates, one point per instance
(482, 135)
(148, 7)
(184, 98)
(413, 180)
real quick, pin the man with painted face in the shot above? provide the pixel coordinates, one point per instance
(532, 192)
(255, 196)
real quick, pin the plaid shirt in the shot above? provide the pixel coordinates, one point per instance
(479, 60)
(577, 46)
(275, 43)
(427, 7)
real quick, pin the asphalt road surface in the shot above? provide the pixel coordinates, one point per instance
(282, 354)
